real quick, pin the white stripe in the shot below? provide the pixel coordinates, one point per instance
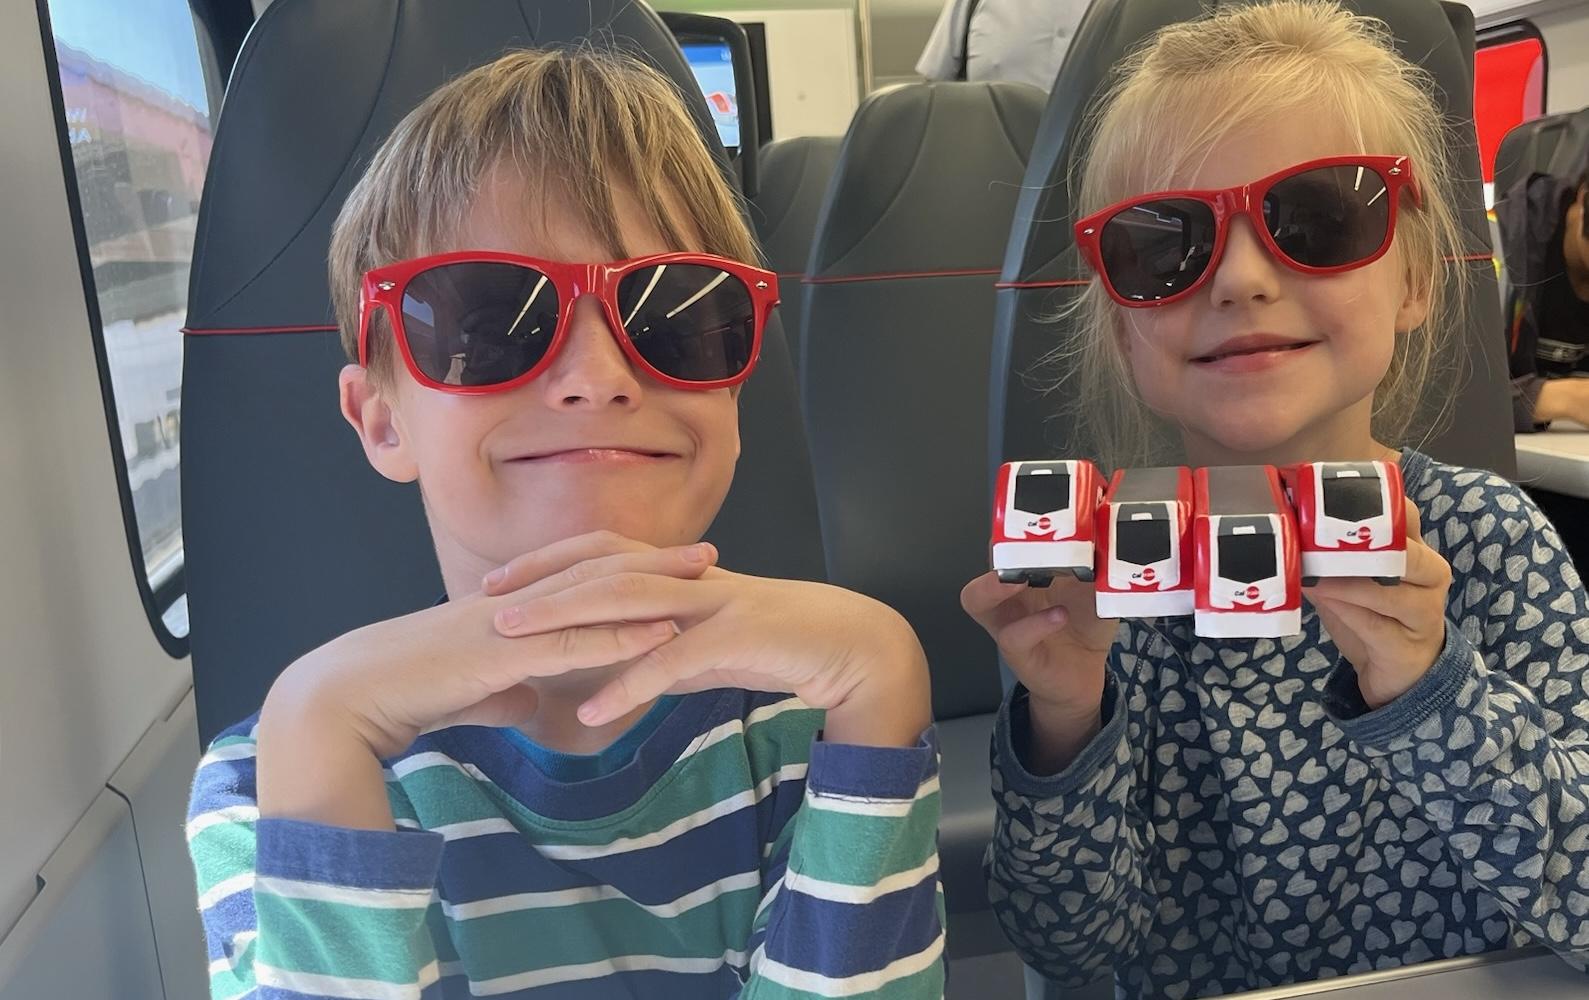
(407, 824)
(475, 828)
(838, 892)
(321, 892)
(656, 276)
(723, 731)
(722, 276)
(232, 751)
(239, 996)
(597, 970)
(221, 817)
(855, 805)
(596, 893)
(228, 887)
(849, 986)
(789, 772)
(579, 852)
(341, 986)
(429, 759)
(240, 943)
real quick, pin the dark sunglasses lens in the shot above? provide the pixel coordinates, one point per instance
(479, 322)
(1329, 217)
(692, 322)
(1157, 249)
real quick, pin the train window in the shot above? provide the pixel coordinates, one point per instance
(1509, 74)
(134, 113)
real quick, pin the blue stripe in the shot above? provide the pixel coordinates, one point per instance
(435, 991)
(873, 772)
(844, 939)
(505, 864)
(622, 986)
(359, 859)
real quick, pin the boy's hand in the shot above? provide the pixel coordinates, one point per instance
(1057, 645)
(1390, 635)
(335, 712)
(835, 649)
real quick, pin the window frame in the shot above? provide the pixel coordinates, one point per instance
(157, 602)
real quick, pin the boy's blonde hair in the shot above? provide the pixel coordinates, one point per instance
(1177, 97)
(574, 123)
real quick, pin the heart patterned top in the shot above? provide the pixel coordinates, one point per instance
(1244, 820)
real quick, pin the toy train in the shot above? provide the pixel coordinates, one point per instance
(1231, 546)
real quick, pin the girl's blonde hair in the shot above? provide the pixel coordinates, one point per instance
(1173, 101)
(574, 123)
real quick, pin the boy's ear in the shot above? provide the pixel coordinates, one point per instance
(378, 426)
(1415, 302)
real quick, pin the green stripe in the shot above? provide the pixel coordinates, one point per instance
(861, 850)
(783, 739)
(339, 939)
(498, 945)
(221, 852)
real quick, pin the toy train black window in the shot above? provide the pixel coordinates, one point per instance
(1042, 492)
(1142, 534)
(1352, 498)
(1246, 550)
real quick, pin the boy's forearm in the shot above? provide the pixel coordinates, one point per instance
(315, 768)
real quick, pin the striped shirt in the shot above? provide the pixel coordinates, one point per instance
(736, 855)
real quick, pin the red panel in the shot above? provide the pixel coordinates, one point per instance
(1508, 89)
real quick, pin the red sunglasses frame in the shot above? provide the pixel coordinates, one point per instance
(1247, 199)
(384, 288)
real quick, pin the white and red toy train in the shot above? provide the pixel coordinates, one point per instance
(1231, 546)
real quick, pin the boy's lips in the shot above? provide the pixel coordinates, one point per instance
(614, 454)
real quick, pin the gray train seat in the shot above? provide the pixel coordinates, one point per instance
(1554, 144)
(291, 538)
(1042, 272)
(794, 180)
(895, 335)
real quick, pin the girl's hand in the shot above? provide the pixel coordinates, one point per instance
(1057, 645)
(1391, 635)
(835, 649)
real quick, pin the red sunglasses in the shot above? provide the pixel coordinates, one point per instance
(1320, 217)
(481, 321)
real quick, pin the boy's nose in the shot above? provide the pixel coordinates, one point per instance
(1247, 271)
(590, 370)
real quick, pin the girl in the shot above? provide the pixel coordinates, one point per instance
(1409, 778)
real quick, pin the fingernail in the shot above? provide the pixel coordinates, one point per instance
(697, 553)
(510, 617)
(1057, 614)
(589, 713)
(661, 629)
(496, 576)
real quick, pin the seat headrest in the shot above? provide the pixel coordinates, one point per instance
(889, 209)
(316, 89)
(1042, 271)
(291, 538)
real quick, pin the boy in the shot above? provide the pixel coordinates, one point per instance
(565, 782)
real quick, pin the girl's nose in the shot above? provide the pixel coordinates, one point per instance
(1247, 271)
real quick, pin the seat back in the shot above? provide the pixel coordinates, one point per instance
(1554, 144)
(291, 538)
(794, 179)
(1043, 274)
(898, 316)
